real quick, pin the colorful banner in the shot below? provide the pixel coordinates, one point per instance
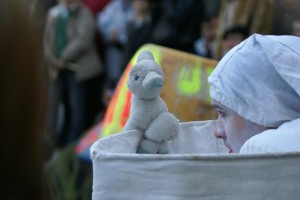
(186, 93)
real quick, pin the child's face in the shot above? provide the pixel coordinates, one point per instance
(233, 128)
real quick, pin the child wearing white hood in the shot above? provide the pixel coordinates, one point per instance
(256, 90)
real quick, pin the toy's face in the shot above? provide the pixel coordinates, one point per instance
(146, 80)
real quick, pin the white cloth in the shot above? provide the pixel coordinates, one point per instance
(284, 139)
(260, 79)
(119, 173)
(193, 138)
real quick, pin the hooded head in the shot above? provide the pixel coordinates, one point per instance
(146, 77)
(259, 79)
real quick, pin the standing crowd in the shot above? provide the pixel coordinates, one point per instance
(88, 44)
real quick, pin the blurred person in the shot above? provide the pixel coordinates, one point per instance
(96, 89)
(111, 23)
(285, 12)
(255, 90)
(212, 8)
(177, 27)
(205, 45)
(49, 3)
(139, 27)
(74, 66)
(233, 36)
(23, 103)
(96, 6)
(248, 13)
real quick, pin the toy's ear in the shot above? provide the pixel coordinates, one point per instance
(152, 80)
(145, 55)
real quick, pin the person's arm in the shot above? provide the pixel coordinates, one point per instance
(105, 21)
(111, 22)
(83, 40)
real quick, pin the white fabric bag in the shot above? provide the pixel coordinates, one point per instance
(198, 167)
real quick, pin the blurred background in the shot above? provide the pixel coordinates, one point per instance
(63, 60)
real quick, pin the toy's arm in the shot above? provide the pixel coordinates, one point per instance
(128, 126)
(164, 128)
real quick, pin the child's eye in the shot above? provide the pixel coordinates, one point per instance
(136, 77)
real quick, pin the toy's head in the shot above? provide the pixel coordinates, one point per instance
(146, 77)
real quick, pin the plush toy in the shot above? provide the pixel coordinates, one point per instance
(149, 113)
